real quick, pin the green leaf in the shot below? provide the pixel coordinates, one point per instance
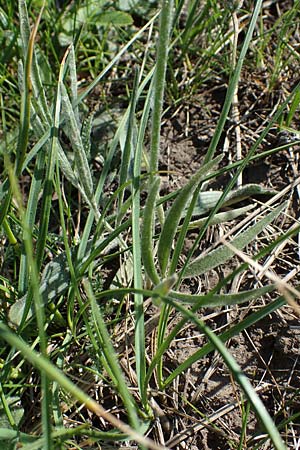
(222, 254)
(220, 217)
(175, 213)
(119, 18)
(15, 409)
(11, 414)
(55, 281)
(56, 275)
(9, 435)
(81, 161)
(222, 299)
(208, 200)
(147, 243)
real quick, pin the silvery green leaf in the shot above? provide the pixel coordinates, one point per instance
(55, 281)
(222, 217)
(175, 213)
(147, 242)
(222, 299)
(81, 161)
(24, 25)
(86, 134)
(222, 254)
(73, 83)
(208, 200)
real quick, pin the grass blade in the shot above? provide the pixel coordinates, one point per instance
(233, 83)
(111, 358)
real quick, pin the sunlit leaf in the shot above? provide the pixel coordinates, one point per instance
(222, 254)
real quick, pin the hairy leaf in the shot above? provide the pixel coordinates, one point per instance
(174, 215)
(147, 242)
(222, 299)
(222, 254)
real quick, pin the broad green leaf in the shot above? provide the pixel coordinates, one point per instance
(10, 436)
(119, 18)
(56, 275)
(222, 254)
(140, 8)
(15, 409)
(175, 213)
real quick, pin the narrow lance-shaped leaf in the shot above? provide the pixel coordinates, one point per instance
(73, 83)
(222, 254)
(147, 242)
(220, 217)
(48, 185)
(81, 161)
(130, 144)
(39, 95)
(222, 299)
(174, 215)
(165, 26)
(208, 200)
(26, 96)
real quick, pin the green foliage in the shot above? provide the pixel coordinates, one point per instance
(93, 241)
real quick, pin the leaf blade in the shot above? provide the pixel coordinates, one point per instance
(222, 254)
(174, 215)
